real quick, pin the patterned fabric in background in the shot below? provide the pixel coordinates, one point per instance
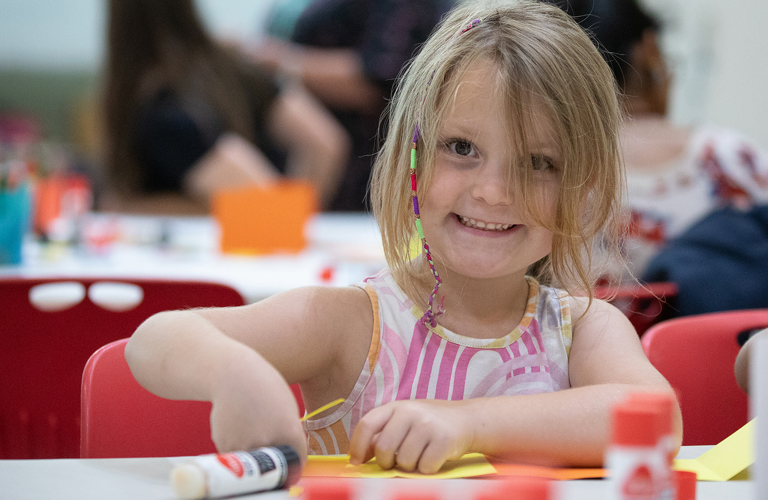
(720, 168)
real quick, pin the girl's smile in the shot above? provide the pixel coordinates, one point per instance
(484, 226)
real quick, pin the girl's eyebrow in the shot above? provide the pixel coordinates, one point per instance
(462, 130)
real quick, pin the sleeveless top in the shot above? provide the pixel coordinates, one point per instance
(408, 360)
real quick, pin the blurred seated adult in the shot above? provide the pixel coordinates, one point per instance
(677, 176)
(348, 54)
(185, 116)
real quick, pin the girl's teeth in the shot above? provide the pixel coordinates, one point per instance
(483, 225)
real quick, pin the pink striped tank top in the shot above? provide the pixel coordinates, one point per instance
(408, 360)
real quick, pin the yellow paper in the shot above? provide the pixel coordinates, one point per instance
(727, 459)
(470, 465)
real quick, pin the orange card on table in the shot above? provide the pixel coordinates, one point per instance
(262, 220)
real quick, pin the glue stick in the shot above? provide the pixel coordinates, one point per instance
(226, 474)
(633, 457)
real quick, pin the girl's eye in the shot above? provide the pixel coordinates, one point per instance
(461, 147)
(542, 162)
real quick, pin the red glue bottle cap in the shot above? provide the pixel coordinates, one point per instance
(635, 424)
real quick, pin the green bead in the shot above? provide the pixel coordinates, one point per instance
(413, 159)
(419, 228)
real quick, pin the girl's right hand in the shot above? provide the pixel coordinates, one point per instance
(254, 411)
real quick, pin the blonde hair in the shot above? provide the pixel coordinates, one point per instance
(542, 56)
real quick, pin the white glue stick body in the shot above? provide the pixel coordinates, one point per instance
(226, 474)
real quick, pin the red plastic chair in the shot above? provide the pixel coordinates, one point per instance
(121, 419)
(644, 305)
(43, 352)
(696, 354)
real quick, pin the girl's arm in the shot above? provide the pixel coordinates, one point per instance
(569, 427)
(243, 358)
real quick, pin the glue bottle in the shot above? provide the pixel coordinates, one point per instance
(634, 459)
(226, 474)
(667, 447)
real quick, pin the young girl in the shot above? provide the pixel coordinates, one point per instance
(502, 160)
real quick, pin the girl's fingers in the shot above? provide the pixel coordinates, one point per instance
(364, 437)
(390, 440)
(371, 451)
(432, 458)
(410, 450)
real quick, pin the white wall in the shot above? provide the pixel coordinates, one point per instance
(738, 92)
(718, 51)
(42, 34)
(70, 34)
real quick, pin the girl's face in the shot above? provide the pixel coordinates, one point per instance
(468, 212)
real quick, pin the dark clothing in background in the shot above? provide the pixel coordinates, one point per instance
(386, 34)
(175, 131)
(719, 264)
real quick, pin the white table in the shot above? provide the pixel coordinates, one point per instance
(342, 248)
(147, 479)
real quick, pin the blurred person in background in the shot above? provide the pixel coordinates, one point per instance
(348, 54)
(185, 116)
(696, 194)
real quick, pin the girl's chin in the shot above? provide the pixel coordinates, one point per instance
(479, 271)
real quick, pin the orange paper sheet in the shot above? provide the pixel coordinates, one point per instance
(262, 220)
(471, 465)
(561, 474)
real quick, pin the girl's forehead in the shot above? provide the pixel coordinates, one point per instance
(479, 97)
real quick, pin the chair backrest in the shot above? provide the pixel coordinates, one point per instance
(48, 330)
(121, 419)
(696, 354)
(643, 304)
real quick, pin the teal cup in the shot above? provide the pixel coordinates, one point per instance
(14, 221)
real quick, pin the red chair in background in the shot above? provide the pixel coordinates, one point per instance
(644, 304)
(121, 419)
(49, 329)
(696, 354)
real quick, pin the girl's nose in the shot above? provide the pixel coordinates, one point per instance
(491, 184)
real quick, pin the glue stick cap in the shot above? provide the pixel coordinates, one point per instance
(293, 463)
(188, 481)
(665, 402)
(635, 424)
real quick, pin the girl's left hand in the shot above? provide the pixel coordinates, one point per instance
(413, 435)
